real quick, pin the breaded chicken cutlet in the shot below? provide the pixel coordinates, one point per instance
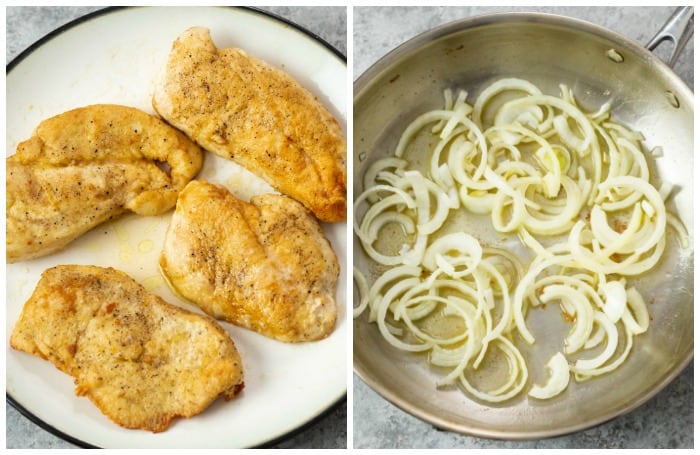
(140, 360)
(264, 265)
(86, 166)
(245, 110)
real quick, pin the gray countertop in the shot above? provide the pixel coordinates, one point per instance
(666, 421)
(25, 25)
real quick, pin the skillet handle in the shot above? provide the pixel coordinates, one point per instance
(678, 29)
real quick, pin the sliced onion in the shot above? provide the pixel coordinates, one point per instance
(363, 292)
(615, 300)
(468, 255)
(517, 376)
(541, 167)
(558, 380)
(610, 330)
(583, 312)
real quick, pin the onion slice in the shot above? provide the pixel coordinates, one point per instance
(558, 380)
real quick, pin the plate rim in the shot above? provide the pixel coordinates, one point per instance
(12, 401)
(112, 9)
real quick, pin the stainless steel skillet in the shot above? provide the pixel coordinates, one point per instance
(547, 50)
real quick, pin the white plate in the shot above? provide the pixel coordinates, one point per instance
(113, 58)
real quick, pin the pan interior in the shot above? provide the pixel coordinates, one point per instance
(646, 96)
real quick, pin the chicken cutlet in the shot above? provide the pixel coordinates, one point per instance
(245, 110)
(264, 265)
(86, 166)
(140, 360)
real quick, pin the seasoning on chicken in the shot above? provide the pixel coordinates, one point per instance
(264, 265)
(86, 166)
(245, 110)
(140, 360)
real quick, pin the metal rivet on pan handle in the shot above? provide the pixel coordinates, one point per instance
(678, 29)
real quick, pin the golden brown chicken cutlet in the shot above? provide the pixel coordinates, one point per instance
(245, 110)
(140, 360)
(264, 265)
(86, 166)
